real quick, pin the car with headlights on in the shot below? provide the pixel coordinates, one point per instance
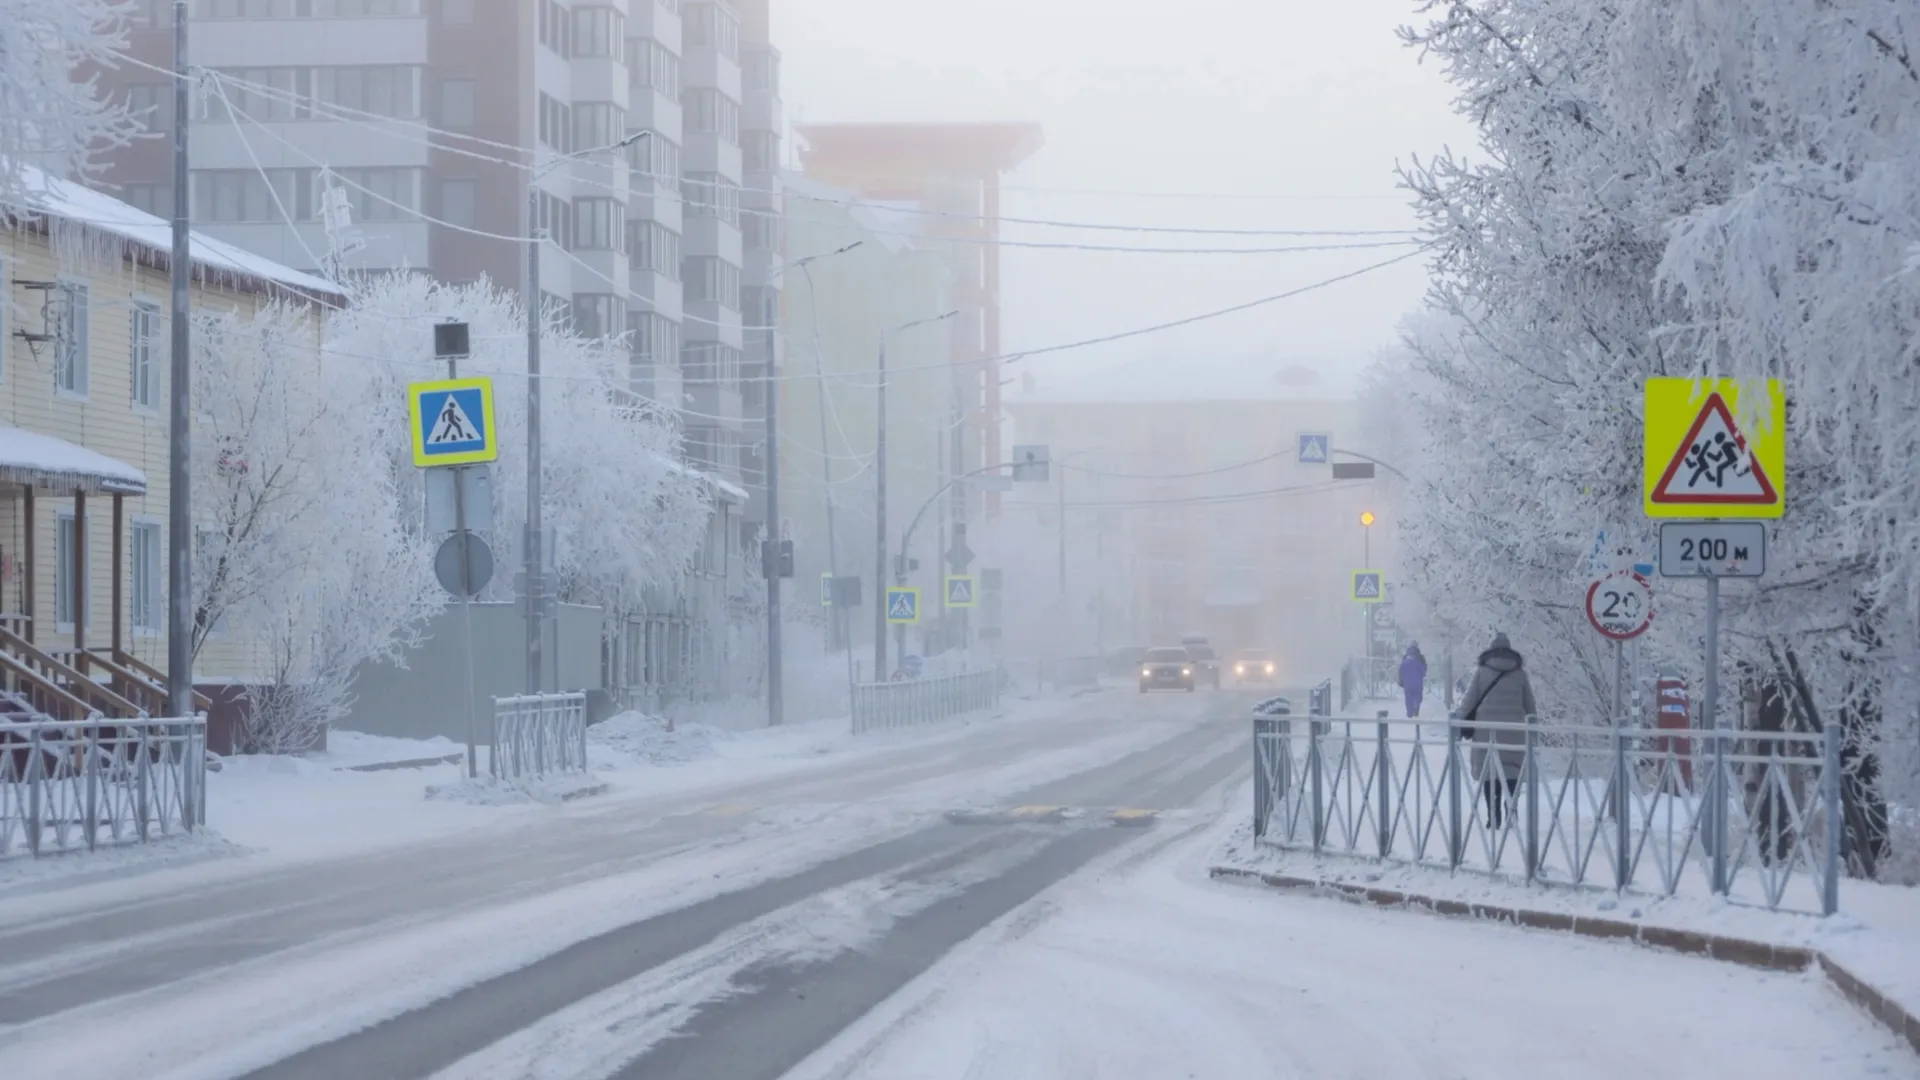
(1166, 668)
(1255, 666)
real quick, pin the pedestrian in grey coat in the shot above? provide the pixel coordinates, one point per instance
(1500, 694)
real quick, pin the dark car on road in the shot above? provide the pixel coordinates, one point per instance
(1206, 662)
(1254, 666)
(1167, 668)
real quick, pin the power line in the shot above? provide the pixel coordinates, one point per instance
(384, 125)
(1320, 487)
(1236, 466)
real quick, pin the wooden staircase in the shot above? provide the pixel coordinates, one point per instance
(70, 684)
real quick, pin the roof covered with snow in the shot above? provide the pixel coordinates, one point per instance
(103, 215)
(43, 461)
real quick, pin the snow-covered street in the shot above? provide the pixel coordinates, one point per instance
(1017, 898)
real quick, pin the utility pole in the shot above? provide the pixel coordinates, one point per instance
(1060, 490)
(534, 538)
(880, 521)
(770, 551)
(535, 608)
(180, 419)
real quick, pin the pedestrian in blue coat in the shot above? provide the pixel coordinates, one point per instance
(1413, 678)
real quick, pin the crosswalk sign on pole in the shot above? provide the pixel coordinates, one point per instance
(1369, 586)
(452, 422)
(1316, 448)
(1715, 448)
(903, 604)
(960, 591)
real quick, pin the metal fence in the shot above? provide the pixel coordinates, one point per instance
(539, 734)
(1755, 816)
(877, 706)
(67, 785)
(1366, 678)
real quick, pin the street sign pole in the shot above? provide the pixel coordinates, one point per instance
(1710, 720)
(454, 344)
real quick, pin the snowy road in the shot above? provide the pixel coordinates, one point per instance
(300, 959)
(968, 908)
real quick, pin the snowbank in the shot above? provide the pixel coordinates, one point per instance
(634, 738)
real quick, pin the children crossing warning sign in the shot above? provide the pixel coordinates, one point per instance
(1703, 461)
(452, 422)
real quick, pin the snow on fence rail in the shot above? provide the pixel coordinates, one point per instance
(1755, 815)
(906, 702)
(538, 735)
(66, 785)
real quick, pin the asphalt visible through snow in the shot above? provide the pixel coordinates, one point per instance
(937, 836)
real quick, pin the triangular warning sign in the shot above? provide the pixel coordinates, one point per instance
(960, 591)
(1713, 464)
(452, 425)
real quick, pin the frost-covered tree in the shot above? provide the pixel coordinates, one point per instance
(1683, 190)
(51, 115)
(627, 516)
(302, 557)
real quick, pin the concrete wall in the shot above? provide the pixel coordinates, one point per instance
(427, 697)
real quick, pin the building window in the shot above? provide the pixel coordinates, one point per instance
(68, 568)
(383, 90)
(653, 337)
(713, 113)
(457, 202)
(143, 338)
(379, 194)
(144, 562)
(760, 72)
(655, 162)
(652, 65)
(760, 230)
(556, 220)
(599, 224)
(711, 26)
(711, 195)
(598, 32)
(229, 196)
(598, 315)
(759, 306)
(653, 248)
(556, 124)
(597, 124)
(291, 9)
(457, 103)
(712, 281)
(760, 151)
(70, 345)
(556, 27)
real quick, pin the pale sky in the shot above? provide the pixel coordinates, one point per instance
(1308, 103)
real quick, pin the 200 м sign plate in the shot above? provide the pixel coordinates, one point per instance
(1620, 605)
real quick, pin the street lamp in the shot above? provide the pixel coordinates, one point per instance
(880, 500)
(533, 540)
(769, 556)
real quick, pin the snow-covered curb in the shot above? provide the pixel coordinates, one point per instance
(1759, 952)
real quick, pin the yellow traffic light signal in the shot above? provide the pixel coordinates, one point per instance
(1366, 517)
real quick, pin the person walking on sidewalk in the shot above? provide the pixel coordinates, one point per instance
(1500, 694)
(1413, 678)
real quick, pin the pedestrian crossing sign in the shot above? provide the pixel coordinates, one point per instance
(903, 604)
(1316, 448)
(1369, 586)
(452, 422)
(1715, 448)
(960, 591)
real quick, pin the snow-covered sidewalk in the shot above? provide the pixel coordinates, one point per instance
(1146, 968)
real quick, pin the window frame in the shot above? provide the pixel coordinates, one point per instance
(153, 597)
(73, 341)
(143, 367)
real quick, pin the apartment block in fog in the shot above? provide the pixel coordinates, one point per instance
(420, 118)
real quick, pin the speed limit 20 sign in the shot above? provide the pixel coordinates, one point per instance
(1620, 605)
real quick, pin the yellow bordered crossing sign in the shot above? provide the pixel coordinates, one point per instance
(452, 422)
(1715, 448)
(1369, 586)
